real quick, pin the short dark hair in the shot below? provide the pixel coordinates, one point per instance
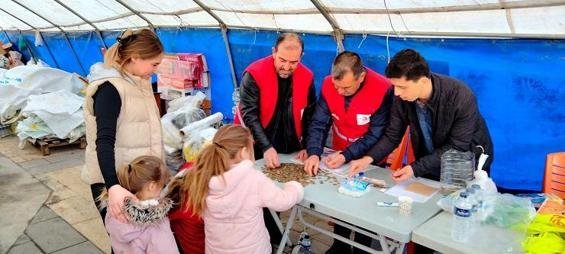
(408, 63)
(347, 61)
(286, 36)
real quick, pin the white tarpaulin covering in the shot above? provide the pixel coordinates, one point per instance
(60, 111)
(17, 84)
(511, 18)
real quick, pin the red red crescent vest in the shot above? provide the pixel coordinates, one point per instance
(263, 71)
(351, 124)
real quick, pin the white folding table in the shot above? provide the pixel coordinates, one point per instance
(436, 234)
(361, 214)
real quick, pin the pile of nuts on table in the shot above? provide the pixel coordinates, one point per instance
(295, 172)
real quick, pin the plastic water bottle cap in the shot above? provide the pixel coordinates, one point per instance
(463, 194)
(360, 174)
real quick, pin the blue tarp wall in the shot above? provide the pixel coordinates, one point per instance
(519, 83)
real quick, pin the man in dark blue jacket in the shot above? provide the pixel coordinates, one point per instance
(355, 103)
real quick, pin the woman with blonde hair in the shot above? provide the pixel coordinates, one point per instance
(122, 119)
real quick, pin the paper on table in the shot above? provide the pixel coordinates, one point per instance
(340, 171)
(422, 189)
(401, 189)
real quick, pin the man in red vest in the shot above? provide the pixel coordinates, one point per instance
(354, 102)
(277, 101)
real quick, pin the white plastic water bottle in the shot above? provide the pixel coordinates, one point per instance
(479, 198)
(486, 183)
(472, 197)
(481, 177)
(462, 227)
(304, 245)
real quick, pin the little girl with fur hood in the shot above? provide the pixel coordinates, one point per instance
(148, 229)
(226, 189)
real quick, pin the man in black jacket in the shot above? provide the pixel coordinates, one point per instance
(442, 114)
(277, 101)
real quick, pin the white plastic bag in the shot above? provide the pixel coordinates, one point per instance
(188, 101)
(181, 112)
(511, 211)
(196, 142)
(201, 124)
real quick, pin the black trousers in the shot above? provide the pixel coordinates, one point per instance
(365, 240)
(274, 232)
(358, 238)
(96, 190)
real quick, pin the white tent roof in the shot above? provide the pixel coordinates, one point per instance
(500, 18)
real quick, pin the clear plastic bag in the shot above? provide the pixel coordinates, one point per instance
(510, 211)
(182, 112)
(189, 101)
(487, 208)
(174, 161)
(196, 142)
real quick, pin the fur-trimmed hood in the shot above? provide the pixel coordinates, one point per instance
(147, 211)
(148, 229)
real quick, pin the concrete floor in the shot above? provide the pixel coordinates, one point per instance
(47, 208)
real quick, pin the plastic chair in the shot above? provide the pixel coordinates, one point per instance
(554, 178)
(404, 150)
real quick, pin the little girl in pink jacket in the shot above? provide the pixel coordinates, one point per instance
(229, 193)
(148, 229)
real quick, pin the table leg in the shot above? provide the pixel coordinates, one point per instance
(279, 224)
(338, 237)
(286, 232)
(400, 248)
(384, 244)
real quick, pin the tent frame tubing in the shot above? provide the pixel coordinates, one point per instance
(85, 20)
(224, 30)
(62, 31)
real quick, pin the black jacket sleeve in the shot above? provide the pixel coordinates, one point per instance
(107, 105)
(308, 114)
(393, 133)
(250, 111)
(379, 121)
(460, 135)
(318, 129)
